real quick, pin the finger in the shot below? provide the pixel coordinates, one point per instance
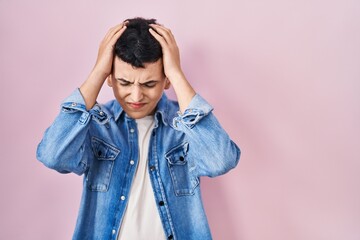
(116, 36)
(158, 26)
(119, 26)
(164, 32)
(112, 31)
(158, 37)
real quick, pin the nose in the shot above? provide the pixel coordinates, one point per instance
(136, 93)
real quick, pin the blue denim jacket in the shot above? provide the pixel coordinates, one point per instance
(102, 144)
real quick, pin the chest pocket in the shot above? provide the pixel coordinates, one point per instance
(100, 172)
(181, 171)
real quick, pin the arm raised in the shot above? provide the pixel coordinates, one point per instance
(172, 66)
(91, 87)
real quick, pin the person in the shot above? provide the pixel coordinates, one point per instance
(141, 154)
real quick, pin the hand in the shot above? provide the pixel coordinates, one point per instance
(171, 55)
(105, 56)
(172, 67)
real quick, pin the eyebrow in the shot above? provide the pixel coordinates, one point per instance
(123, 80)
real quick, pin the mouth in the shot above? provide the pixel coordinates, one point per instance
(136, 105)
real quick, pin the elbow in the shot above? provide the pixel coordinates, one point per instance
(49, 158)
(227, 162)
(236, 157)
(233, 160)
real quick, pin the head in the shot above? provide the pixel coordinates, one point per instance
(138, 78)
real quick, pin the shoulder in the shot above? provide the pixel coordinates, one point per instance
(167, 109)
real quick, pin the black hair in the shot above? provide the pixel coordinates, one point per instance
(136, 45)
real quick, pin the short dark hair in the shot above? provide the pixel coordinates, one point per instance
(136, 45)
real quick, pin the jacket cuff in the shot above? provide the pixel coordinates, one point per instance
(75, 103)
(197, 109)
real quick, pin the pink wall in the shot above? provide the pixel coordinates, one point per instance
(284, 77)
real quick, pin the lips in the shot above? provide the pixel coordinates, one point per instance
(136, 105)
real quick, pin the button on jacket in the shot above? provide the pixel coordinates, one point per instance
(101, 144)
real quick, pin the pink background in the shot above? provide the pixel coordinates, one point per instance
(283, 76)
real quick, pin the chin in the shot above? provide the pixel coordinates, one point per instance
(137, 115)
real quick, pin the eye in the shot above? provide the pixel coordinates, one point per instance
(124, 84)
(149, 84)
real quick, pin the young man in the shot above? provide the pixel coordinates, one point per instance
(142, 155)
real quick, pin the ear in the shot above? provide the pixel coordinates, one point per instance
(167, 83)
(109, 80)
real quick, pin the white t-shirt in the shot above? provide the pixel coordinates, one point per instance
(142, 220)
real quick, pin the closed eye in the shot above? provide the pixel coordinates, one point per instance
(123, 82)
(149, 84)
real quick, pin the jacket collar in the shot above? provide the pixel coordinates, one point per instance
(160, 113)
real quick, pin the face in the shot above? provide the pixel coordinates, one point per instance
(138, 90)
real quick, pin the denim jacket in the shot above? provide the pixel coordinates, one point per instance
(101, 143)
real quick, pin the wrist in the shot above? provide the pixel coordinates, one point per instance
(176, 76)
(183, 90)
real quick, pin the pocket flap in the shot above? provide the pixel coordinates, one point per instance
(177, 155)
(104, 150)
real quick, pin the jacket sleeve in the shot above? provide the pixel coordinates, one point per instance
(210, 149)
(65, 146)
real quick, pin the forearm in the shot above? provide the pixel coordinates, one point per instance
(183, 90)
(212, 149)
(90, 89)
(63, 144)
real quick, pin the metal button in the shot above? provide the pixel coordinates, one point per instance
(101, 113)
(73, 104)
(113, 231)
(152, 168)
(122, 198)
(132, 162)
(132, 130)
